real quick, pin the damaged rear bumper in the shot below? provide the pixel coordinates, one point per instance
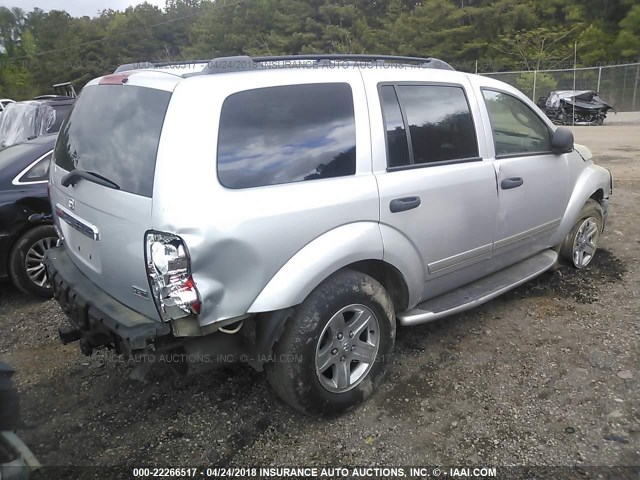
(96, 318)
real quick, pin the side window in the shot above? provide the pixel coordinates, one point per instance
(39, 172)
(517, 130)
(285, 134)
(398, 150)
(439, 122)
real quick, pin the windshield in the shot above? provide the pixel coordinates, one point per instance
(114, 130)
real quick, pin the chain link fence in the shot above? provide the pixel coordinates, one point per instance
(618, 85)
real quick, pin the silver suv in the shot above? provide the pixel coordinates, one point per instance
(290, 212)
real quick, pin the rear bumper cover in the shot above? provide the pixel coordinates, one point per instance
(100, 319)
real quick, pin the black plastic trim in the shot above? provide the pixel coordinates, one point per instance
(433, 164)
(101, 319)
(527, 154)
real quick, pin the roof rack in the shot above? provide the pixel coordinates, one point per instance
(244, 62)
(356, 58)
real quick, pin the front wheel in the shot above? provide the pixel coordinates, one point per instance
(581, 244)
(335, 349)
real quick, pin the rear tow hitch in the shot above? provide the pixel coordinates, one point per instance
(69, 334)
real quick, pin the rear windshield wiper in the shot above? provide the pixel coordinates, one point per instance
(73, 176)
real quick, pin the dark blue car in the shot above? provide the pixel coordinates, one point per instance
(26, 229)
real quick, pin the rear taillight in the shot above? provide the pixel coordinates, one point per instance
(169, 272)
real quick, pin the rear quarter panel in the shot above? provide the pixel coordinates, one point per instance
(238, 239)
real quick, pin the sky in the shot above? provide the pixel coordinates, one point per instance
(76, 8)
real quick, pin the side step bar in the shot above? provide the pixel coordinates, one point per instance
(480, 291)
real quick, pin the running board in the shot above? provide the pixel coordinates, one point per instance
(480, 291)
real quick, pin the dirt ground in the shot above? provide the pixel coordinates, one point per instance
(544, 375)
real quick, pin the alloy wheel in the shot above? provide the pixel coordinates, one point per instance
(347, 348)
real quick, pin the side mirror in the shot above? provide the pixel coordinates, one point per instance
(562, 141)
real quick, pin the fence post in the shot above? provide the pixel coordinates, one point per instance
(635, 88)
(535, 78)
(599, 77)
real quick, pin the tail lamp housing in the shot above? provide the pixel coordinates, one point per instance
(169, 272)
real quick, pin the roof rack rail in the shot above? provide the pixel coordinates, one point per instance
(432, 62)
(241, 63)
(244, 62)
(134, 66)
(141, 65)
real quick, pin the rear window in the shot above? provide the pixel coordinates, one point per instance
(61, 114)
(114, 130)
(285, 134)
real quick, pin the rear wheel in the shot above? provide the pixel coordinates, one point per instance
(581, 244)
(26, 262)
(335, 349)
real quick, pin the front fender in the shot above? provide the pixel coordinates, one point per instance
(592, 179)
(317, 260)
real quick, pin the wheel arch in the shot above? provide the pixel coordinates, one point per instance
(592, 184)
(598, 195)
(14, 232)
(317, 261)
(389, 277)
(355, 246)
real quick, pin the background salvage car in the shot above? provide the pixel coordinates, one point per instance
(573, 107)
(43, 115)
(26, 230)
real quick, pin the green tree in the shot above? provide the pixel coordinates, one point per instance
(628, 40)
(536, 85)
(39, 48)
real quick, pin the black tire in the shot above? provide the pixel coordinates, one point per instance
(17, 261)
(591, 209)
(296, 381)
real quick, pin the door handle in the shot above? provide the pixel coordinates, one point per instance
(511, 182)
(403, 204)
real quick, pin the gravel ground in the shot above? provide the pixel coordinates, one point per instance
(544, 375)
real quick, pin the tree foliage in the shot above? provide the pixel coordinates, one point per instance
(40, 48)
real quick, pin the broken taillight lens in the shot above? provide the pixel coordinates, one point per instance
(169, 272)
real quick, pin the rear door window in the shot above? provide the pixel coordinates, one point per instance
(114, 130)
(437, 119)
(286, 134)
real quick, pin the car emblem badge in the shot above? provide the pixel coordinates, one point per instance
(72, 204)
